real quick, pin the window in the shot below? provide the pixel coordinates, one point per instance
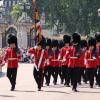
(5, 3)
(14, 2)
(9, 3)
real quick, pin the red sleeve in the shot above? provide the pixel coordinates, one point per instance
(5, 56)
(67, 54)
(86, 57)
(46, 54)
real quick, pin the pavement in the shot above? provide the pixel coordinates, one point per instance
(26, 88)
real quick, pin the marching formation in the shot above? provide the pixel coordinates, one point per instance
(72, 59)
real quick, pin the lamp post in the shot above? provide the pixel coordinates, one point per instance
(99, 16)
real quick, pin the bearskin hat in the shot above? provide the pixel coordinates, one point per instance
(76, 38)
(42, 42)
(55, 43)
(12, 39)
(91, 41)
(66, 39)
(61, 44)
(97, 37)
(48, 42)
(83, 43)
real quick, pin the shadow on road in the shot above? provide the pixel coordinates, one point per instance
(89, 87)
(57, 92)
(23, 91)
(7, 96)
(55, 86)
(91, 92)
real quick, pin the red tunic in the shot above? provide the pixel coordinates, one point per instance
(61, 56)
(54, 59)
(81, 60)
(0, 61)
(98, 56)
(37, 56)
(72, 59)
(89, 61)
(48, 58)
(11, 58)
(30, 51)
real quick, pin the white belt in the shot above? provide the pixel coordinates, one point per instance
(73, 57)
(12, 58)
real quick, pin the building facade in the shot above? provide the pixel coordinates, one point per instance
(8, 4)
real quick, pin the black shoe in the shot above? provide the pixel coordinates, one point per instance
(91, 86)
(13, 88)
(80, 83)
(75, 90)
(67, 85)
(39, 89)
(98, 85)
(54, 83)
(86, 82)
(47, 84)
(62, 81)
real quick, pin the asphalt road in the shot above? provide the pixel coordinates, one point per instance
(26, 88)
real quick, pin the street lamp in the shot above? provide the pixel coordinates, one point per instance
(99, 15)
(99, 12)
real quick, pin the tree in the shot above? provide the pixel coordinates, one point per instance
(16, 12)
(76, 15)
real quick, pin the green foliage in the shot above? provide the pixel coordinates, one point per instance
(77, 15)
(16, 12)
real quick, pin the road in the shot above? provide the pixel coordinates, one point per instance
(26, 88)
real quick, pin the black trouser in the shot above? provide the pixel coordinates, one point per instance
(38, 76)
(60, 72)
(55, 72)
(85, 76)
(47, 74)
(91, 74)
(98, 75)
(73, 77)
(65, 73)
(81, 75)
(50, 72)
(12, 74)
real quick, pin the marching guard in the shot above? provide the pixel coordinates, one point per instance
(54, 61)
(47, 69)
(82, 67)
(73, 55)
(12, 58)
(90, 61)
(40, 56)
(63, 50)
(98, 58)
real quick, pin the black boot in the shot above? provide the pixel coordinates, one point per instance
(13, 87)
